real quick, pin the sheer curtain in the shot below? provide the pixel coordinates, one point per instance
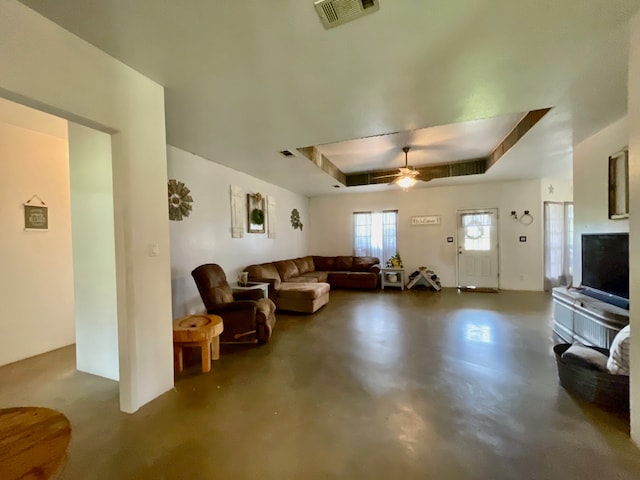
(375, 234)
(558, 244)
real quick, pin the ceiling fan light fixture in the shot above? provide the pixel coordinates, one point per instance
(406, 181)
(408, 177)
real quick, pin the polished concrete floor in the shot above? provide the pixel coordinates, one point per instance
(376, 385)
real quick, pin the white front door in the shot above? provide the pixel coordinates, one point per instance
(478, 248)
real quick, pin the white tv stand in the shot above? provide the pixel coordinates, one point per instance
(590, 321)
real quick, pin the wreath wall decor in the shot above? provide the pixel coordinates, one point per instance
(179, 200)
(255, 213)
(257, 216)
(295, 219)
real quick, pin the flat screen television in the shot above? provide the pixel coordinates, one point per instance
(605, 267)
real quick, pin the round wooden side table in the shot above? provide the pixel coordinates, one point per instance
(197, 331)
(33, 442)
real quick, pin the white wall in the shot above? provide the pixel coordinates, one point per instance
(205, 236)
(94, 256)
(591, 191)
(520, 263)
(556, 189)
(634, 227)
(36, 283)
(43, 65)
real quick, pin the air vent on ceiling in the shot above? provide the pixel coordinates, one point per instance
(336, 12)
(287, 153)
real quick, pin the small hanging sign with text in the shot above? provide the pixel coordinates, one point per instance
(36, 216)
(425, 220)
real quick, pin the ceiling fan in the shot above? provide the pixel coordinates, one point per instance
(406, 176)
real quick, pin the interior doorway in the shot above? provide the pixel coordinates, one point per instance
(478, 249)
(68, 267)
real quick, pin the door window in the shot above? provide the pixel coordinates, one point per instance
(476, 228)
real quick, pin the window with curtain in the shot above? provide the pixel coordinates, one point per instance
(558, 244)
(375, 234)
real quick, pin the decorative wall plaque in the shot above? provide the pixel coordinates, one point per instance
(425, 220)
(36, 215)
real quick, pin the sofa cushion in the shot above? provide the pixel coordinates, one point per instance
(324, 264)
(618, 361)
(264, 272)
(338, 278)
(315, 276)
(301, 291)
(364, 264)
(343, 264)
(304, 264)
(287, 269)
(353, 279)
(586, 357)
(307, 278)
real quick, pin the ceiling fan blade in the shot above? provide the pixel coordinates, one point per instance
(386, 176)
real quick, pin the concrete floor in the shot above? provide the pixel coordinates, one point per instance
(402, 385)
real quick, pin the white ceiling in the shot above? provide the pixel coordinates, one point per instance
(248, 78)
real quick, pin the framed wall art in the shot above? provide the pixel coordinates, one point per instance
(255, 213)
(619, 185)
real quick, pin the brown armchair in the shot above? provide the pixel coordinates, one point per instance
(246, 315)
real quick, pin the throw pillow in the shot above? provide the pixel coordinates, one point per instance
(586, 357)
(618, 363)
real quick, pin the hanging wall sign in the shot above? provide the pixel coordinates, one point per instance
(425, 220)
(36, 215)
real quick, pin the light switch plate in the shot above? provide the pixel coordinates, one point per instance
(154, 250)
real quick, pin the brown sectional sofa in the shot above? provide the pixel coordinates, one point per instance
(302, 284)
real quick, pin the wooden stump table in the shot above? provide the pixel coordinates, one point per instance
(33, 442)
(197, 331)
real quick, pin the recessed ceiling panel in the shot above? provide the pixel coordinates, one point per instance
(429, 146)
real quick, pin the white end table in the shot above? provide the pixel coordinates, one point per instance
(392, 277)
(251, 286)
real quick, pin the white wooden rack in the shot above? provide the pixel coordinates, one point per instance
(425, 277)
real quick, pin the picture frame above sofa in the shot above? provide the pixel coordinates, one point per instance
(255, 213)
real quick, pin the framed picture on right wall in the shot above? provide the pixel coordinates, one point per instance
(619, 185)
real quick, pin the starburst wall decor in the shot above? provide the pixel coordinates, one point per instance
(179, 200)
(295, 219)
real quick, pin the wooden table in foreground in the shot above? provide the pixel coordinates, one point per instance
(33, 442)
(197, 331)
